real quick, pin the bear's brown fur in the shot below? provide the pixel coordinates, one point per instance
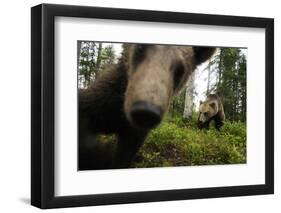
(211, 109)
(130, 99)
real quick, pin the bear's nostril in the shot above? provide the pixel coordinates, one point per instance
(146, 115)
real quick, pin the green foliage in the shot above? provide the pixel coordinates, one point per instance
(108, 57)
(94, 59)
(112, 138)
(177, 105)
(231, 83)
(180, 143)
(87, 62)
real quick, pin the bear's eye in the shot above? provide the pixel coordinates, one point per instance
(139, 53)
(205, 113)
(178, 73)
(140, 48)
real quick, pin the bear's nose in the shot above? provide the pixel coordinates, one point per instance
(146, 115)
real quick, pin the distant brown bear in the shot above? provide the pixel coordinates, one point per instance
(211, 109)
(130, 99)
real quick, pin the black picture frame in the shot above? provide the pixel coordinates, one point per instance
(43, 117)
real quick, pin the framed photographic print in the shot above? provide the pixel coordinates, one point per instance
(140, 106)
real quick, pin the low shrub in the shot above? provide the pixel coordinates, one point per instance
(178, 142)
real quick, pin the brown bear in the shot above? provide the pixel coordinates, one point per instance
(211, 109)
(130, 99)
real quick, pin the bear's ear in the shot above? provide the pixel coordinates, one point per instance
(202, 54)
(200, 102)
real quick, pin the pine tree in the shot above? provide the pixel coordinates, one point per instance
(92, 59)
(231, 82)
(189, 96)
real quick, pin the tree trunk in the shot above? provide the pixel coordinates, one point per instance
(78, 60)
(98, 61)
(188, 104)
(78, 54)
(220, 66)
(208, 80)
